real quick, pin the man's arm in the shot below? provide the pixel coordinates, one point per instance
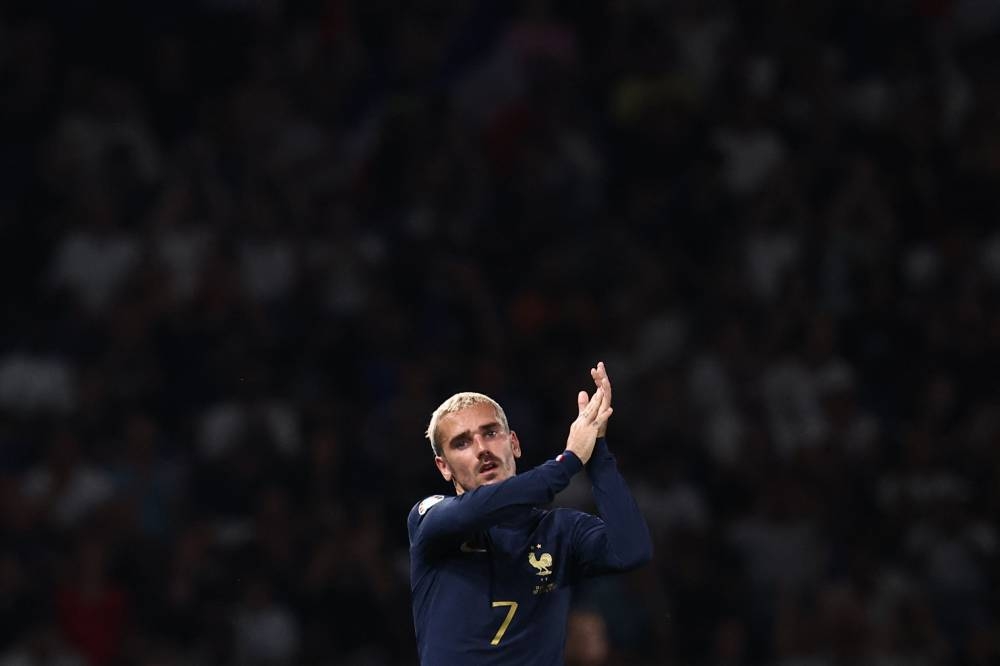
(619, 539)
(458, 516)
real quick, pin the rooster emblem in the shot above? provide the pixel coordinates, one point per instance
(541, 563)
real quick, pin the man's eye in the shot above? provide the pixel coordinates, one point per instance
(491, 433)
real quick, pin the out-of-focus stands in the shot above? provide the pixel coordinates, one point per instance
(248, 247)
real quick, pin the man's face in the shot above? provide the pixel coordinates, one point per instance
(476, 449)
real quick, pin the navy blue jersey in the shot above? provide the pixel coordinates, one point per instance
(491, 573)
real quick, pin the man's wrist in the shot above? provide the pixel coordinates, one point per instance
(571, 459)
(601, 450)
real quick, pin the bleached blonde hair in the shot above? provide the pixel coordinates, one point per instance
(457, 403)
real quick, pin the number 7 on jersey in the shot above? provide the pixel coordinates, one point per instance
(512, 608)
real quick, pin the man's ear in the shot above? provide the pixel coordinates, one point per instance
(443, 467)
(515, 445)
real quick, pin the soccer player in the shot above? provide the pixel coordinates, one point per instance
(491, 573)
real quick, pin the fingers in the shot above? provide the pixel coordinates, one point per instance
(605, 397)
(590, 407)
(600, 377)
(596, 409)
(594, 406)
(602, 381)
(589, 425)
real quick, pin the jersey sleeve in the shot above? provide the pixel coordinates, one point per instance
(618, 539)
(436, 520)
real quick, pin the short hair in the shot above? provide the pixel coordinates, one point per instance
(457, 403)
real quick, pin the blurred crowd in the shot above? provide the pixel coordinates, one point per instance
(249, 246)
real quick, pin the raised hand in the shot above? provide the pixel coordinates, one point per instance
(592, 419)
(603, 383)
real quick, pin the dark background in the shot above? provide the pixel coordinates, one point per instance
(247, 247)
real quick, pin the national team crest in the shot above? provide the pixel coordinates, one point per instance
(542, 562)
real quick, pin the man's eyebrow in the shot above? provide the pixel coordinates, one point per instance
(458, 436)
(492, 425)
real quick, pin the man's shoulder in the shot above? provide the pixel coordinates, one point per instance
(426, 503)
(423, 506)
(415, 518)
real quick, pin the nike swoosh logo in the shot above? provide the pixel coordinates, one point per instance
(466, 548)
